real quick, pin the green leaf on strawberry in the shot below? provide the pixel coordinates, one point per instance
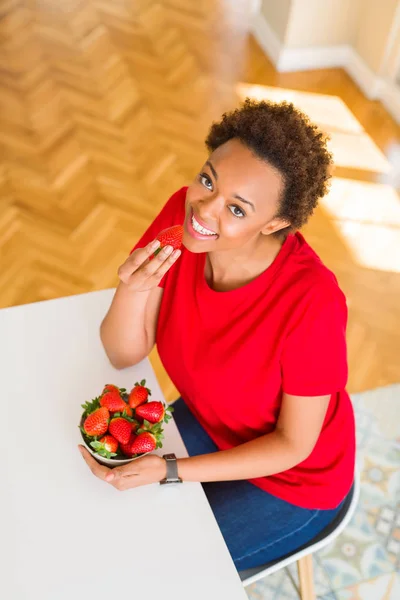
(91, 406)
(125, 416)
(100, 449)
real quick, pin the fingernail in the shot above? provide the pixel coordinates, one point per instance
(176, 254)
(80, 449)
(168, 249)
(155, 244)
(109, 477)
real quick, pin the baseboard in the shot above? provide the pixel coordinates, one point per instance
(369, 83)
(325, 57)
(317, 57)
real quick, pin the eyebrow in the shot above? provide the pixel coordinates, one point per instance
(214, 172)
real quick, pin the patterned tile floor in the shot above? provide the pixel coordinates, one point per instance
(364, 561)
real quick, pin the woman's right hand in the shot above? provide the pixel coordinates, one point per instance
(139, 274)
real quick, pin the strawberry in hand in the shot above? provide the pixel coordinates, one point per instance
(154, 412)
(172, 236)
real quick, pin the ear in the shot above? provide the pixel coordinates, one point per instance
(274, 225)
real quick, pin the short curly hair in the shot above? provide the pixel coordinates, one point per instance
(283, 136)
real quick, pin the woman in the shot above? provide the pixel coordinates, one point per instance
(250, 326)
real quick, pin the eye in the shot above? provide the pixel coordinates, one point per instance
(236, 211)
(205, 181)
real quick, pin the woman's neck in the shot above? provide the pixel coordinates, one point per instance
(231, 269)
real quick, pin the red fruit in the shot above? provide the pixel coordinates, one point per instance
(147, 440)
(107, 446)
(110, 388)
(127, 411)
(154, 412)
(121, 429)
(97, 422)
(110, 443)
(113, 401)
(127, 448)
(172, 236)
(139, 394)
(144, 442)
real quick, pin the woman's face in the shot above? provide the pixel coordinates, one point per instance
(232, 201)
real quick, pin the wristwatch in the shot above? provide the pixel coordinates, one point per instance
(172, 470)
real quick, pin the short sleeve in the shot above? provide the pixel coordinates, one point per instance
(173, 213)
(314, 356)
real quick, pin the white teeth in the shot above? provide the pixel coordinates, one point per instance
(197, 227)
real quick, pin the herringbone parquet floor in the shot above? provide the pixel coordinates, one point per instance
(103, 111)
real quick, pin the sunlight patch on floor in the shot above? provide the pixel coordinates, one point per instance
(357, 151)
(350, 145)
(367, 216)
(373, 246)
(328, 111)
(362, 201)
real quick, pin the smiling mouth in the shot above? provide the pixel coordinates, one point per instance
(202, 230)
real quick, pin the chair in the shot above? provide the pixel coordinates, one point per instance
(303, 555)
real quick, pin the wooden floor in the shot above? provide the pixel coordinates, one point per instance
(104, 107)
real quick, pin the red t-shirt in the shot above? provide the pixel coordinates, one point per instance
(232, 354)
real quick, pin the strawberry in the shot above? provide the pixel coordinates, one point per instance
(121, 429)
(113, 401)
(144, 442)
(126, 448)
(109, 387)
(127, 411)
(154, 412)
(172, 236)
(97, 422)
(110, 443)
(139, 394)
(107, 446)
(147, 439)
(135, 426)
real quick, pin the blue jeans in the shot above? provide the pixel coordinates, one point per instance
(257, 527)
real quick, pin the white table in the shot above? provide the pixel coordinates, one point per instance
(64, 533)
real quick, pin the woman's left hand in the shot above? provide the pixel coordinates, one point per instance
(148, 469)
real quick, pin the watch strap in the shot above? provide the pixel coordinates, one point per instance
(172, 469)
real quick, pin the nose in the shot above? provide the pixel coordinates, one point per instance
(209, 209)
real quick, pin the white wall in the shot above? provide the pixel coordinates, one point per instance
(276, 13)
(321, 23)
(375, 22)
(361, 36)
(364, 25)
